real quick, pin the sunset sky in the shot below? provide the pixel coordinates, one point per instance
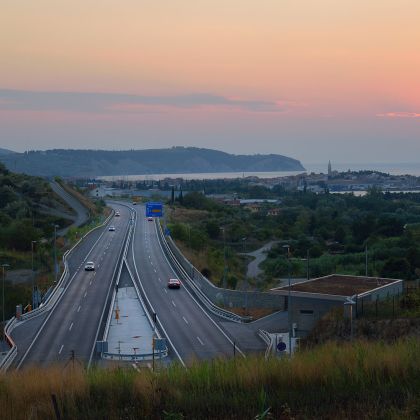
(313, 79)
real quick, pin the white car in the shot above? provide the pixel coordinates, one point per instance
(117, 214)
(90, 266)
(111, 228)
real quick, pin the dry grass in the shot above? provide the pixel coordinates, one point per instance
(363, 380)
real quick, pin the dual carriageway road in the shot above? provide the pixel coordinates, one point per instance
(75, 322)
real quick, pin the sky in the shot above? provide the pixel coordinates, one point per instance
(316, 80)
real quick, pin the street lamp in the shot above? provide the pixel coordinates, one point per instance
(366, 261)
(224, 257)
(289, 302)
(33, 274)
(4, 266)
(350, 303)
(55, 254)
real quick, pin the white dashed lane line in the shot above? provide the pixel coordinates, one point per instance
(78, 309)
(173, 303)
(71, 326)
(200, 341)
(185, 320)
(61, 349)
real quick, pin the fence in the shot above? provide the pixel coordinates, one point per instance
(402, 304)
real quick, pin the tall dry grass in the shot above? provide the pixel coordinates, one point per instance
(359, 380)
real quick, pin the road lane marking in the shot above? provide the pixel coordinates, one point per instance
(155, 270)
(159, 279)
(90, 283)
(85, 294)
(165, 290)
(71, 326)
(78, 309)
(173, 303)
(61, 349)
(185, 320)
(199, 339)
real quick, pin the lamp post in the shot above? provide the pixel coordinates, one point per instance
(4, 266)
(224, 257)
(33, 274)
(350, 303)
(55, 254)
(289, 302)
(366, 260)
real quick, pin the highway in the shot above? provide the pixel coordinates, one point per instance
(73, 324)
(193, 333)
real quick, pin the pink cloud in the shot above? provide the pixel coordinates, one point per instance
(399, 115)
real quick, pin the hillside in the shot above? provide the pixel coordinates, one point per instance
(6, 152)
(91, 163)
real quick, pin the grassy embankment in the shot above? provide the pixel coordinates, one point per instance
(360, 380)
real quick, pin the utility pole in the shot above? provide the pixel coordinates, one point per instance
(4, 266)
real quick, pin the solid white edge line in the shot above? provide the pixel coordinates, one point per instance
(138, 276)
(193, 298)
(55, 306)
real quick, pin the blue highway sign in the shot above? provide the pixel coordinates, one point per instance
(154, 209)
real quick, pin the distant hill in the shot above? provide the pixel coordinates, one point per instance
(6, 151)
(91, 163)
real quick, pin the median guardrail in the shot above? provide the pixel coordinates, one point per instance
(214, 309)
(158, 354)
(47, 305)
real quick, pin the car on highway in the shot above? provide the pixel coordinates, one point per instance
(111, 228)
(150, 219)
(90, 266)
(117, 214)
(134, 203)
(174, 284)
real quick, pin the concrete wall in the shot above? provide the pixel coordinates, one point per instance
(306, 311)
(226, 297)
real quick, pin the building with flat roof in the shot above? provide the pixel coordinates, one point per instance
(312, 299)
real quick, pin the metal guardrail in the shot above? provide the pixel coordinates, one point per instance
(214, 309)
(45, 306)
(108, 355)
(12, 353)
(266, 337)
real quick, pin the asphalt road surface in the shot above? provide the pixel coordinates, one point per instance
(72, 325)
(193, 332)
(82, 214)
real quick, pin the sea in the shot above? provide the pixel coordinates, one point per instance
(390, 168)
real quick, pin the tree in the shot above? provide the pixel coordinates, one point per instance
(396, 268)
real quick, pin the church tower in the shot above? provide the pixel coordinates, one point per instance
(329, 169)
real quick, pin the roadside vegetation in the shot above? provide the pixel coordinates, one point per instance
(336, 231)
(29, 210)
(358, 380)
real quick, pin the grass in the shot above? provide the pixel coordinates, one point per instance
(359, 380)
